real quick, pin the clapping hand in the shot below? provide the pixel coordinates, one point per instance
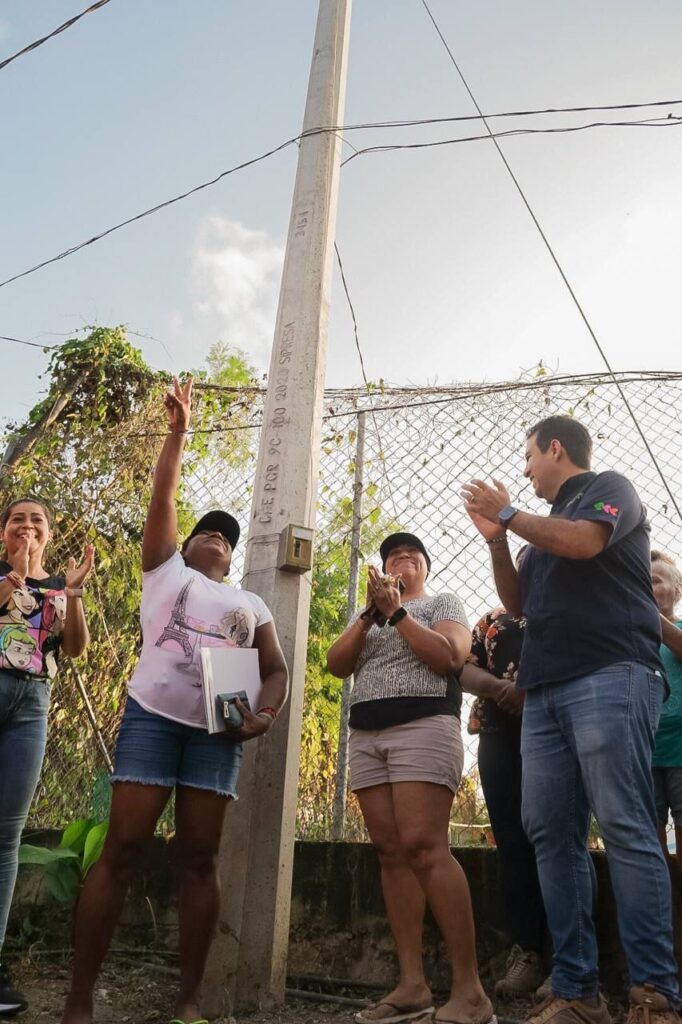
(385, 595)
(483, 505)
(76, 575)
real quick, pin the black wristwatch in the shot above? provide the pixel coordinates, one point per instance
(506, 515)
(398, 614)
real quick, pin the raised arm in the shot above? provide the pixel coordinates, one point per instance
(507, 581)
(161, 525)
(76, 633)
(579, 539)
(343, 654)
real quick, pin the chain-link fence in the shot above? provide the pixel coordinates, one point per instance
(420, 446)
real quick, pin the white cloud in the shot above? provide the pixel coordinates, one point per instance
(235, 282)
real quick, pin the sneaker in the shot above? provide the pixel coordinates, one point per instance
(647, 1006)
(523, 974)
(545, 990)
(11, 1001)
(556, 1010)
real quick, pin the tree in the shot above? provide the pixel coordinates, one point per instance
(88, 449)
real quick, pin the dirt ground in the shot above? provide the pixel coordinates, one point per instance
(130, 992)
(134, 994)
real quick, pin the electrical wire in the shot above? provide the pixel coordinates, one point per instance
(62, 28)
(364, 377)
(31, 344)
(277, 149)
(504, 113)
(557, 264)
(153, 209)
(666, 122)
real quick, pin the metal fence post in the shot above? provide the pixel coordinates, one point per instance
(341, 784)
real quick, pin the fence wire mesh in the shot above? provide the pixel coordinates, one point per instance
(421, 445)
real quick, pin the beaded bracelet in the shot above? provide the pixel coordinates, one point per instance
(267, 711)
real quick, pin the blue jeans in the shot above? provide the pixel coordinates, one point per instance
(586, 746)
(23, 730)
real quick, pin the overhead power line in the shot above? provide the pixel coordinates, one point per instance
(295, 140)
(20, 341)
(364, 375)
(659, 122)
(557, 264)
(533, 112)
(55, 32)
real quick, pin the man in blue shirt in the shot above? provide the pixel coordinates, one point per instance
(594, 689)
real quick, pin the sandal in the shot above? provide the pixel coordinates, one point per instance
(394, 1014)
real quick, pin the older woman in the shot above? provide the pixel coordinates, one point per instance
(667, 759)
(31, 640)
(163, 743)
(406, 759)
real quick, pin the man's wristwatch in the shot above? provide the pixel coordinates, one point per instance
(506, 515)
(398, 614)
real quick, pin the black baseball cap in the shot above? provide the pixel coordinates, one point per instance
(394, 540)
(221, 522)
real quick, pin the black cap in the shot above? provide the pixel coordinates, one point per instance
(221, 522)
(394, 540)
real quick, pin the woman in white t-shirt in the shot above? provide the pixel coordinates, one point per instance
(163, 742)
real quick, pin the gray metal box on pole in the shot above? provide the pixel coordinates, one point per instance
(247, 965)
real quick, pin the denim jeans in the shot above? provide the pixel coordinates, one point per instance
(23, 730)
(586, 745)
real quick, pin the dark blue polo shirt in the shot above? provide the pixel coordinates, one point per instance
(585, 614)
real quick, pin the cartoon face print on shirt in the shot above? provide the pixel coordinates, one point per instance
(31, 627)
(237, 626)
(21, 605)
(17, 647)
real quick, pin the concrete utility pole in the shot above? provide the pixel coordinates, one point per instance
(247, 966)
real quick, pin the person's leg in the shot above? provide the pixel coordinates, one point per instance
(613, 715)
(673, 791)
(135, 810)
(23, 729)
(199, 815)
(148, 752)
(422, 813)
(499, 765)
(556, 820)
(662, 807)
(403, 896)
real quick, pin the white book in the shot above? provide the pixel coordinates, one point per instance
(228, 670)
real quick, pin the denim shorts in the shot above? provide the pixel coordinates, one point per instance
(157, 751)
(668, 794)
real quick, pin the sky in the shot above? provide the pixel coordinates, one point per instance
(449, 279)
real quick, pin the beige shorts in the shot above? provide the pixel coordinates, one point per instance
(426, 750)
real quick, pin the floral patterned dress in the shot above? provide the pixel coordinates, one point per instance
(496, 645)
